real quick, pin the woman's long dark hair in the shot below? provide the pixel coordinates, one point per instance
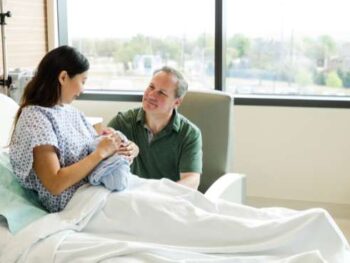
(44, 88)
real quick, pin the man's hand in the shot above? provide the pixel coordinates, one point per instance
(130, 150)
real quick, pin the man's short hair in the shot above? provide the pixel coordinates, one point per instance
(181, 84)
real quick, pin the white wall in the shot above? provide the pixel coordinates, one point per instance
(294, 153)
(105, 109)
(287, 153)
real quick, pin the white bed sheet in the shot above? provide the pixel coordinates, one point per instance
(161, 221)
(5, 234)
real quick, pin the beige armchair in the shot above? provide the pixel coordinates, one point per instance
(212, 112)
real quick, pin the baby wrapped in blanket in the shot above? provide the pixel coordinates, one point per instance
(113, 172)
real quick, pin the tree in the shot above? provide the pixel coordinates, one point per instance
(320, 50)
(319, 78)
(345, 77)
(240, 43)
(303, 77)
(333, 80)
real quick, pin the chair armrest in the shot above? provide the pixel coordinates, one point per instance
(230, 187)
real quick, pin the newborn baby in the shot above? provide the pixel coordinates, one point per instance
(112, 172)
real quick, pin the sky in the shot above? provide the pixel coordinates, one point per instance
(254, 18)
(302, 17)
(180, 17)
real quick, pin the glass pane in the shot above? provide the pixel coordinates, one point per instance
(126, 41)
(291, 47)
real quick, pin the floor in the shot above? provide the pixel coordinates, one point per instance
(340, 212)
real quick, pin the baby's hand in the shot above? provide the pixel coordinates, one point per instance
(108, 130)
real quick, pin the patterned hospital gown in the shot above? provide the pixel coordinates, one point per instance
(63, 127)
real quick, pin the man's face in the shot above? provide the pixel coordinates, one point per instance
(159, 97)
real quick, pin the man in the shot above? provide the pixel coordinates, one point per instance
(170, 145)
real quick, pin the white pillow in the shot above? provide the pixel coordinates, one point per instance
(8, 110)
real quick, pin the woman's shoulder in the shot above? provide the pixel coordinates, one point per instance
(39, 114)
(36, 109)
(49, 111)
(31, 111)
(32, 116)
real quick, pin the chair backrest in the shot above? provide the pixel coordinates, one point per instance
(212, 112)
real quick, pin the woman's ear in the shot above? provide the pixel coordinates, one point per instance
(62, 77)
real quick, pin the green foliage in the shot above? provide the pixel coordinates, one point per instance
(303, 62)
(319, 78)
(126, 50)
(320, 49)
(240, 43)
(333, 80)
(345, 77)
(328, 45)
(303, 78)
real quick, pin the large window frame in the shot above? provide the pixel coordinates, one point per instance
(219, 72)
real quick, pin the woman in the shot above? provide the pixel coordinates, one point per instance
(49, 150)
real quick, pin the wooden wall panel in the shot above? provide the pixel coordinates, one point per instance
(26, 33)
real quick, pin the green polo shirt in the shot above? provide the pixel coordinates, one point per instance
(174, 150)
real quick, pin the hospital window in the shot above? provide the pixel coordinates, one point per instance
(271, 47)
(291, 47)
(125, 41)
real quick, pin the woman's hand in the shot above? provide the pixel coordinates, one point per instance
(129, 149)
(108, 145)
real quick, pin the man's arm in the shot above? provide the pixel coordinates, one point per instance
(191, 180)
(191, 159)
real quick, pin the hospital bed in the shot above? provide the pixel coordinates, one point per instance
(161, 221)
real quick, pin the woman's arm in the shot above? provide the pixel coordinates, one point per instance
(56, 179)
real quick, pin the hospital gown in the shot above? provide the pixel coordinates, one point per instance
(63, 127)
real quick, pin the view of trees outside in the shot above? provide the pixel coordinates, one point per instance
(131, 39)
(272, 46)
(288, 47)
(128, 64)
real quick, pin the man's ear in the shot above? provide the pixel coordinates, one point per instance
(62, 77)
(178, 102)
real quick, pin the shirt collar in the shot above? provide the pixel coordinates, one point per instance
(176, 121)
(173, 124)
(141, 117)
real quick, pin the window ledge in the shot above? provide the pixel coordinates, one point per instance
(292, 101)
(240, 100)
